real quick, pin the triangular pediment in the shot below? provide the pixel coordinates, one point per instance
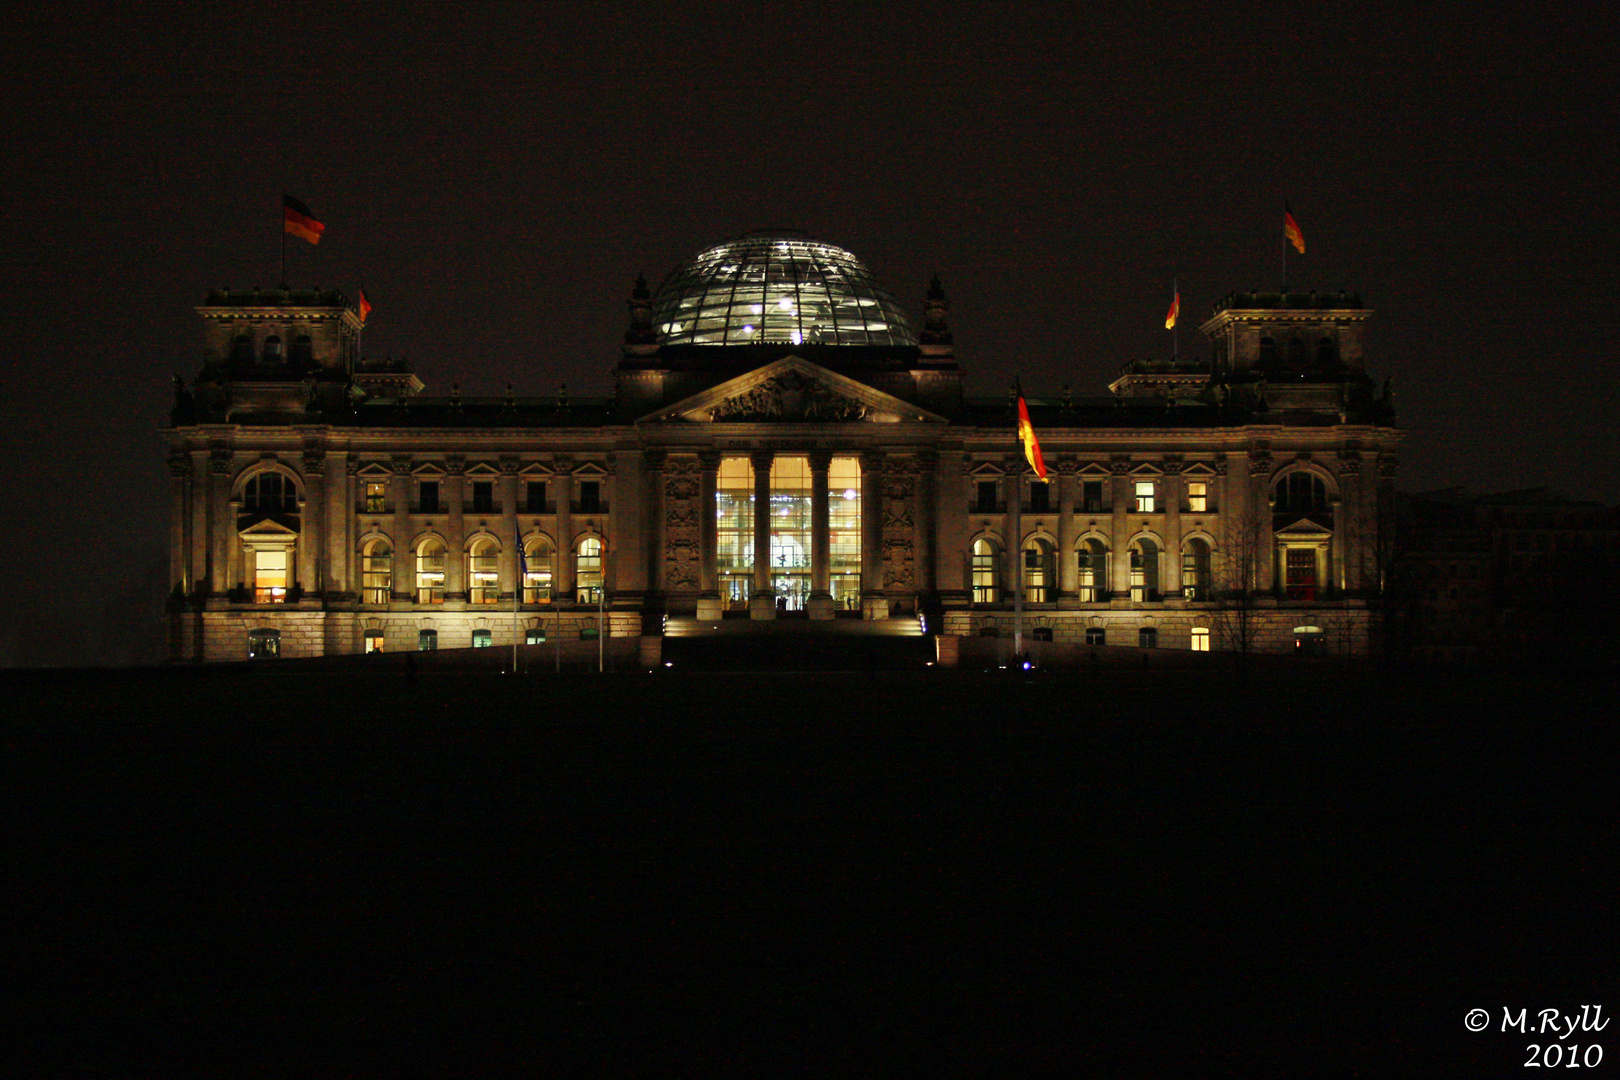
(375, 471)
(1303, 529)
(1198, 470)
(269, 530)
(792, 390)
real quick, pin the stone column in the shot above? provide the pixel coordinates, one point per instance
(312, 536)
(1175, 490)
(1068, 470)
(399, 494)
(206, 575)
(1015, 466)
(1119, 587)
(927, 465)
(222, 540)
(1355, 522)
(630, 512)
(563, 576)
(455, 562)
(1265, 541)
(762, 604)
(507, 565)
(179, 518)
(873, 601)
(708, 605)
(340, 468)
(654, 526)
(952, 550)
(821, 602)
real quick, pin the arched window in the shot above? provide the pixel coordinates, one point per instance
(430, 571)
(303, 350)
(1195, 580)
(1298, 353)
(377, 571)
(1040, 572)
(588, 570)
(1144, 569)
(986, 575)
(1093, 557)
(537, 559)
(242, 349)
(1268, 349)
(264, 644)
(483, 572)
(1327, 350)
(483, 639)
(269, 492)
(272, 350)
(1300, 492)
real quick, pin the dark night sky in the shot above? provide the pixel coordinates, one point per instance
(497, 177)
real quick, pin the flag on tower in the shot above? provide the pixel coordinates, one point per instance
(365, 306)
(1291, 230)
(1175, 309)
(1026, 435)
(299, 221)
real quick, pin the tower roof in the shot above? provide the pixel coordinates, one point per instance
(776, 287)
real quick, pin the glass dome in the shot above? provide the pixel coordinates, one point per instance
(776, 289)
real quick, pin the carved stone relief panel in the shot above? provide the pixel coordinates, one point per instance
(899, 490)
(683, 523)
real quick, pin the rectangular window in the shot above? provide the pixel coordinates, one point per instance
(270, 576)
(844, 531)
(427, 497)
(534, 497)
(376, 497)
(590, 497)
(1096, 635)
(1040, 498)
(1200, 639)
(1147, 637)
(1091, 496)
(985, 501)
(1144, 496)
(483, 496)
(374, 641)
(1300, 573)
(1197, 497)
(985, 584)
(734, 533)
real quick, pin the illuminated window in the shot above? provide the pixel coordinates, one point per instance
(264, 644)
(1197, 496)
(1299, 570)
(377, 572)
(534, 636)
(374, 641)
(537, 558)
(1093, 576)
(1195, 569)
(986, 579)
(1144, 570)
(790, 530)
(430, 572)
(1310, 641)
(588, 570)
(483, 572)
(1200, 639)
(1144, 497)
(376, 497)
(734, 536)
(270, 575)
(1039, 572)
(844, 531)
(427, 640)
(482, 639)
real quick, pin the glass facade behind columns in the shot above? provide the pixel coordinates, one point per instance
(790, 531)
(734, 537)
(844, 528)
(777, 289)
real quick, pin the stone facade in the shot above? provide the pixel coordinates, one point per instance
(327, 503)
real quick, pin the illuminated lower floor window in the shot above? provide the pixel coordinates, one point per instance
(534, 637)
(427, 640)
(264, 644)
(374, 641)
(1200, 639)
(482, 639)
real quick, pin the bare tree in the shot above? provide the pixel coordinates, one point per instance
(1239, 584)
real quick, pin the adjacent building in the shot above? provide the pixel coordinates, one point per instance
(783, 442)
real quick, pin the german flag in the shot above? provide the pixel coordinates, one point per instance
(1175, 309)
(1026, 435)
(1291, 230)
(365, 306)
(298, 220)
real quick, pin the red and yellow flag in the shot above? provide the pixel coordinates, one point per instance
(297, 220)
(365, 306)
(1291, 230)
(1026, 435)
(1175, 309)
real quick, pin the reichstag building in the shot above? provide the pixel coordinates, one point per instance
(784, 442)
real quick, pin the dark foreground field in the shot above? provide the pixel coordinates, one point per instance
(329, 874)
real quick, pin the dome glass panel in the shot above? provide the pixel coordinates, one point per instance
(777, 290)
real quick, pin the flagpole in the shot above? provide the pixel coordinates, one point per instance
(1015, 532)
(283, 241)
(1175, 331)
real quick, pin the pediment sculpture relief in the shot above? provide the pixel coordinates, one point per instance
(790, 396)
